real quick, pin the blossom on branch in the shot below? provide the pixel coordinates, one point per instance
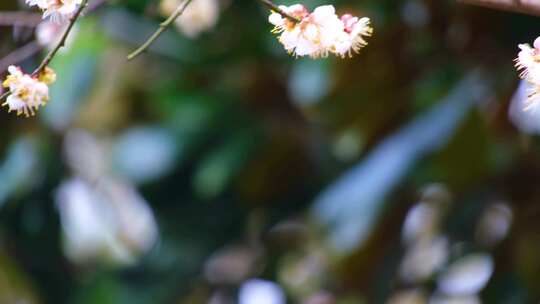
(57, 10)
(321, 32)
(26, 92)
(528, 63)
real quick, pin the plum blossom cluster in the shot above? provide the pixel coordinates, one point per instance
(27, 92)
(528, 63)
(57, 10)
(321, 32)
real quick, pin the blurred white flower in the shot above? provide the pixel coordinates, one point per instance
(466, 276)
(258, 291)
(494, 224)
(27, 92)
(438, 298)
(57, 10)
(422, 221)
(423, 259)
(85, 155)
(137, 226)
(49, 33)
(230, 265)
(109, 222)
(88, 228)
(198, 17)
(321, 32)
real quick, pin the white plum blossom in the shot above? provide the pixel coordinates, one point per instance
(57, 10)
(528, 63)
(26, 92)
(321, 32)
(198, 17)
(352, 40)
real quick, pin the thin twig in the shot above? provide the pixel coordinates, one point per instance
(162, 27)
(20, 54)
(62, 41)
(278, 10)
(30, 19)
(32, 47)
(530, 7)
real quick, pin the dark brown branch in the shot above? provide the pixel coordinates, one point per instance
(62, 41)
(530, 7)
(30, 19)
(278, 10)
(19, 55)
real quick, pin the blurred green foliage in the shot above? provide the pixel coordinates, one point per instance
(249, 138)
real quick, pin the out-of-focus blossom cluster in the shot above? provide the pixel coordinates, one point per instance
(104, 218)
(429, 254)
(258, 291)
(27, 92)
(426, 249)
(528, 63)
(198, 17)
(57, 10)
(321, 32)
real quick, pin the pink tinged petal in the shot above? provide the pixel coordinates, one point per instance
(297, 10)
(349, 21)
(537, 43)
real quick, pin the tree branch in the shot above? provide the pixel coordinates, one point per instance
(60, 44)
(30, 19)
(162, 27)
(62, 41)
(20, 54)
(530, 7)
(20, 18)
(278, 10)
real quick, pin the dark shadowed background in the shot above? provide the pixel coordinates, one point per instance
(219, 169)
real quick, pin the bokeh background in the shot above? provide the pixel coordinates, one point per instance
(218, 169)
